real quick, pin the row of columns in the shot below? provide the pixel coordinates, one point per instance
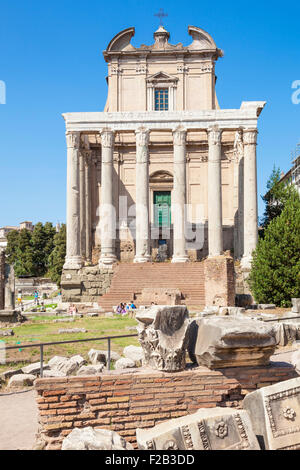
(78, 198)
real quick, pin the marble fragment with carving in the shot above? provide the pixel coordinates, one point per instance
(275, 415)
(163, 335)
(207, 429)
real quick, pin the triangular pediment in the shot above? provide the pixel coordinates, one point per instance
(163, 77)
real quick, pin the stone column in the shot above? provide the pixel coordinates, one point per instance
(214, 198)
(107, 209)
(73, 256)
(142, 254)
(87, 208)
(250, 197)
(179, 196)
(82, 203)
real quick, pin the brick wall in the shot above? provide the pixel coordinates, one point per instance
(219, 281)
(124, 402)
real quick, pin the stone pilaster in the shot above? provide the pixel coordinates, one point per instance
(73, 256)
(179, 196)
(250, 197)
(142, 197)
(214, 185)
(107, 210)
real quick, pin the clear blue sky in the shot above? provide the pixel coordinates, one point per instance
(51, 61)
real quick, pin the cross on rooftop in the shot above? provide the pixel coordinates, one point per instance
(161, 14)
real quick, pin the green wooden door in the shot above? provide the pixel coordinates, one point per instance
(162, 208)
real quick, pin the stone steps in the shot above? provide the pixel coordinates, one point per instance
(129, 279)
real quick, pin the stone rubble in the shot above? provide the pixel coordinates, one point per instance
(218, 342)
(21, 380)
(134, 353)
(94, 439)
(72, 330)
(124, 363)
(163, 335)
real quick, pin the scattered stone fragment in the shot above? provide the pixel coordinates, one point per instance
(109, 314)
(91, 370)
(163, 335)
(266, 306)
(275, 415)
(286, 332)
(210, 310)
(295, 360)
(78, 360)
(135, 353)
(9, 373)
(97, 356)
(124, 363)
(219, 342)
(94, 439)
(72, 330)
(66, 366)
(6, 333)
(236, 310)
(296, 305)
(207, 429)
(34, 369)
(64, 320)
(21, 380)
(92, 314)
(52, 373)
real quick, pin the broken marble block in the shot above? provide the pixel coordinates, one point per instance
(275, 415)
(163, 335)
(94, 439)
(220, 342)
(296, 305)
(207, 429)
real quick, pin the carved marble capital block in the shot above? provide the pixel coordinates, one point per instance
(220, 342)
(163, 335)
(207, 429)
(275, 415)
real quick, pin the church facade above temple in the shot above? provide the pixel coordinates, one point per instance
(162, 173)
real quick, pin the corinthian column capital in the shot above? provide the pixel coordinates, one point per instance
(179, 136)
(142, 136)
(214, 136)
(107, 138)
(73, 139)
(250, 136)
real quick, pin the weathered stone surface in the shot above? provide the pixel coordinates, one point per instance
(34, 368)
(6, 333)
(296, 305)
(135, 353)
(161, 296)
(207, 429)
(266, 306)
(286, 332)
(163, 335)
(64, 320)
(124, 363)
(295, 360)
(91, 369)
(275, 415)
(72, 330)
(52, 373)
(97, 356)
(7, 374)
(66, 366)
(219, 342)
(94, 439)
(21, 380)
(92, 314)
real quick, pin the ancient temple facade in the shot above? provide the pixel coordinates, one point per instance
(162, 173)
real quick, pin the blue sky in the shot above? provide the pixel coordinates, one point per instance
(51, 61)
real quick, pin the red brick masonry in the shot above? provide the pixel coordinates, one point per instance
(124, 402)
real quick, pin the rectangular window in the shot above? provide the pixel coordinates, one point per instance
(161, 99)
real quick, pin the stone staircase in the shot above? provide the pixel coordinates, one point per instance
(130, 279)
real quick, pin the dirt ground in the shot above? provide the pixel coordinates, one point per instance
(18, 420)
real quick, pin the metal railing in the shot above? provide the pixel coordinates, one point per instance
(41, 346)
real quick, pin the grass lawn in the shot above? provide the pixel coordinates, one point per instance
(43, 330)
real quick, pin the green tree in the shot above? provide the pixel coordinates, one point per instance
(42, 244)
(275, 274)
(20, 252)
(276, 197)
(57, 257)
